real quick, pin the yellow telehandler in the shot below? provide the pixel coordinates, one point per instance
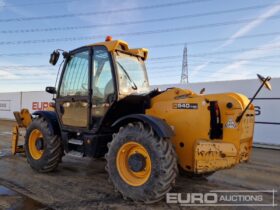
(104, 108)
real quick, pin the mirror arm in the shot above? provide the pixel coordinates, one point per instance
(238, 119)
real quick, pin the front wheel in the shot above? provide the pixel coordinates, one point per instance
(43, 149)
(142, 166)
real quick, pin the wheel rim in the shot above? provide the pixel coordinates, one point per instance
(34, 143)
(129, 174)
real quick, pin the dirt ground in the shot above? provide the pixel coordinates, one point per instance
(82, 183)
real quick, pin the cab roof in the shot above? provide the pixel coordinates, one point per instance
(123, 46)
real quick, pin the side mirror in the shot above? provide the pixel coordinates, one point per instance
(51, 90)
(265, 81)
(54, 57)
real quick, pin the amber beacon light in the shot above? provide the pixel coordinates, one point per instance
(108, 38)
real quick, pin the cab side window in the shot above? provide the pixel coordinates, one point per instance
(75, 78)
(74, 83)
(103, 86)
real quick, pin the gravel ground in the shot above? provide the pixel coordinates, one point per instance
(82, 183)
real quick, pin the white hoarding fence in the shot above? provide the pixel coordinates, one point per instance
(9, 102)
(34, 101)
(5, 105)
(266, 104)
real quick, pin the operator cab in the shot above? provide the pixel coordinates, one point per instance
(97, 78)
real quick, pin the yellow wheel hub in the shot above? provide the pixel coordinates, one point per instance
(35, 144)
(134, 164)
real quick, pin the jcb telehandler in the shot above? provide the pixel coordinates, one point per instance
(104, 107)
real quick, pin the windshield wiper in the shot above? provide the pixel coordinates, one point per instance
(133, 86)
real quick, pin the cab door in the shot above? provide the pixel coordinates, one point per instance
(72, 103)
(103, 84)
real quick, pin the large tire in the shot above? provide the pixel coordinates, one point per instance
(160, 163)
(46, 156)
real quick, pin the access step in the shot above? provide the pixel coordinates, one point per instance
(75, 154)
(76, 141)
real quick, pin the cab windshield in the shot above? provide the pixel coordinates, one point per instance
(132, 75)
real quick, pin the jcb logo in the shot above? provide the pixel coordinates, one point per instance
(39, 106)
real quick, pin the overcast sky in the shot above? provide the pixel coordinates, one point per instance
(226, 40)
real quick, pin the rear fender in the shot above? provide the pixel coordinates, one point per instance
(160, 127)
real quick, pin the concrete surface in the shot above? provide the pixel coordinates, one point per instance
(82, 183)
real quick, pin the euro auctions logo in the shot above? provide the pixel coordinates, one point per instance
(224, 198)
(188, 199)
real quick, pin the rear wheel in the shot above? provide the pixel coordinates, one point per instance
(43, 149)
(142, 166)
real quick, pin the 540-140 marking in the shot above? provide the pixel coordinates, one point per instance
(185, 106)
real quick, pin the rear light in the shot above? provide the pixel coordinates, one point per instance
(217, 110)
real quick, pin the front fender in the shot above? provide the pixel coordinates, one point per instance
(161, 128)
(51, 118)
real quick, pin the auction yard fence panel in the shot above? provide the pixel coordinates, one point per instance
(266, 104)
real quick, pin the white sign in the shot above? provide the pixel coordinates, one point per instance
(5, 105)
(36, 101)
(10, 102)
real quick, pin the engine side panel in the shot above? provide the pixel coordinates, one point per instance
(189, 116)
